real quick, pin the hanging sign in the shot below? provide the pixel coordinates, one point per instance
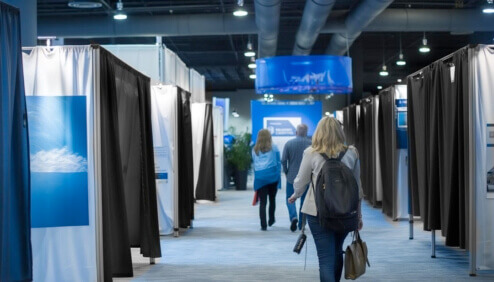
(304, 75)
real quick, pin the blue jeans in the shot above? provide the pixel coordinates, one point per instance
(329, 245)
(292, 208)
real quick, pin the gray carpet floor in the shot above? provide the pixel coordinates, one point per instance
(226, 244)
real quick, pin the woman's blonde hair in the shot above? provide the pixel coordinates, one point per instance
(263, 142)
(329, 138)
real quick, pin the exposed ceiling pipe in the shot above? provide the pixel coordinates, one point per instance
(267, 21)
(316, 13)
(357, 20)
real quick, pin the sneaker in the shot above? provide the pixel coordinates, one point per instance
(293, 226)
(271, 222)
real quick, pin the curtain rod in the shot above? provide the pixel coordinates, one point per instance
(442, 59)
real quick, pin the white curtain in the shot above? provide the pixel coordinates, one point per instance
(197, 87)
(401, 200)
(169, 67)
(164, 120)
(482, 82)
(218, 146)
(144, 58)
(182, 75)
(64, 253)
(198, 114)
(378, 180)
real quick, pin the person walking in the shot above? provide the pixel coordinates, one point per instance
(328, 139)
(292, 157)
(267, 171)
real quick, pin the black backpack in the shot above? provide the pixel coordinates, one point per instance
(337, 196)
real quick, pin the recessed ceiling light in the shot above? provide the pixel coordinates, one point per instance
(399, 80)
(379, 87)
(252, 66)
(84, 4)
(252, 76)
(250, 54)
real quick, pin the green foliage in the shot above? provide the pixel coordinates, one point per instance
(239, 155)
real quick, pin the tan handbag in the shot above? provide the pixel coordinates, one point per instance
(356, 258)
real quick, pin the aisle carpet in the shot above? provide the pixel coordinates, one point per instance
(226, 244)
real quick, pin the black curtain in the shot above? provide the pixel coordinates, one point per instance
(387, 147)
(351, 127)
(15, 214)
(128, 187)
(205, 184)
(185, 160)
(438, 120)
(366, 150)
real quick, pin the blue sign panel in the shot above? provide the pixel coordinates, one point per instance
(59, 166)
(304, 75)
(281, 119)
(401, 123)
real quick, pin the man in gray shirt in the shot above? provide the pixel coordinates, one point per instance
(292, 157)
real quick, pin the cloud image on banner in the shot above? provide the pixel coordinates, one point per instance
(59, 167)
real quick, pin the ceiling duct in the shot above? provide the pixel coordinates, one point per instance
(267, 21)
(316, 13)
(356, 21)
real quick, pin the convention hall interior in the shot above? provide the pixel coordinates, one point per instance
(133, 140)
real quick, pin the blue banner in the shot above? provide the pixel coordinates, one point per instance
(304, 75)
(59, 167)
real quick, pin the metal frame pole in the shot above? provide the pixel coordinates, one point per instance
(433, 243)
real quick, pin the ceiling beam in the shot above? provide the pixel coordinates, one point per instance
(391, 20)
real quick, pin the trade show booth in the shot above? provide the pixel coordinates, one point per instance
(90, 125)
(450, 136)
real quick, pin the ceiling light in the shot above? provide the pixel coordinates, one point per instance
(85, 4)
(399, 80)
(379, 87)
(488, 8)
(401, 61)
(252, 76)
(120, 15)
(424, 48)
(384, 71)
(252, 64)
(327, 113)
(239, 12)
(249, 52)
(235, 114)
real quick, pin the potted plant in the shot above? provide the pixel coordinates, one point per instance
(239, 156)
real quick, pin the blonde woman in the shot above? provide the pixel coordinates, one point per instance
(267, 169)
(328, 139)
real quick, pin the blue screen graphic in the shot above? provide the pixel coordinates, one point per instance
(59, 167)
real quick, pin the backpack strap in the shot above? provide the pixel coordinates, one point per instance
(340, 156)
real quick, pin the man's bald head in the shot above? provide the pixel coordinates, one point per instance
(302, 130)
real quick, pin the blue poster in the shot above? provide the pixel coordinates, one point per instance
(59, 166)
(282, 118)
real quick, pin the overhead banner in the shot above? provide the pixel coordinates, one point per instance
(304, 75)
(59, 173)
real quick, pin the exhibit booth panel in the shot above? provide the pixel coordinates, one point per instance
(143, 58)
(169, 67)
(197, 87)
(482, 85)
(218, 146)
(60, 90)
(182, 75)
(164, 117)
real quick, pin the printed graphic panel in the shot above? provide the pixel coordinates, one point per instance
(58, 148)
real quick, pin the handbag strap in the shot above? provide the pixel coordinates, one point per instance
(356, 237)
(303, 223)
